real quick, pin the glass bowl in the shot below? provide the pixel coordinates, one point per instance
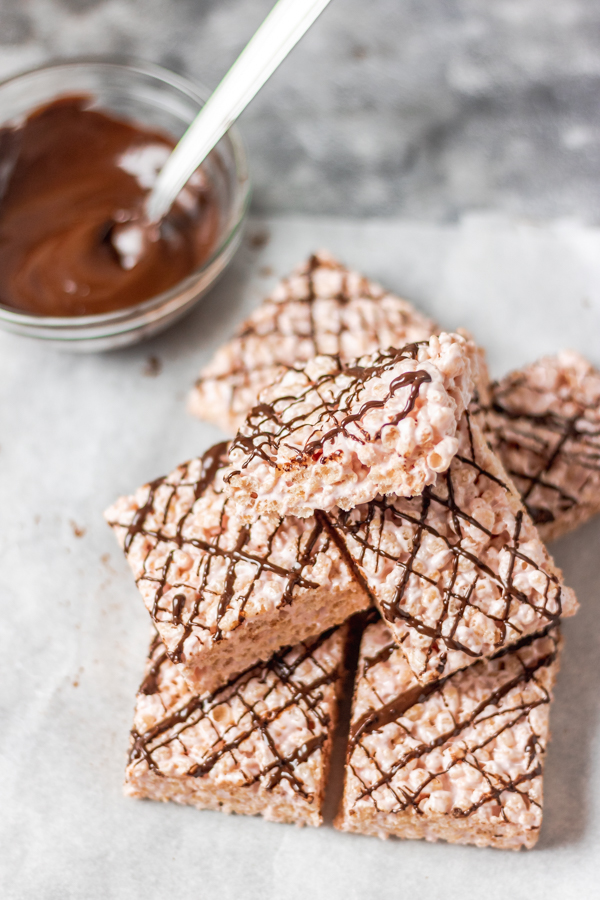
(153, 97)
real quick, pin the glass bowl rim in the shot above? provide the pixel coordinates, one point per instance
(194, 91)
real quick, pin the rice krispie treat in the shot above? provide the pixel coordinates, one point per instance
(224, 594)
(459, 760)
(258, 745)
(336, 434)
(544, 423)
(323, 308)
(459, 572)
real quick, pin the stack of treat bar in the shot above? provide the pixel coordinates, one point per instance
(379, 482)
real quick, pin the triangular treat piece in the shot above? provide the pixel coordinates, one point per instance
(323, 308)
(224, 594)
(459, 572)
(258, 745)
(460, 760)
(544, 423)
(337, 434)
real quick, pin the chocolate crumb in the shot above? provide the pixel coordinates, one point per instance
(153, 367)
(259, 239)
(78, 530)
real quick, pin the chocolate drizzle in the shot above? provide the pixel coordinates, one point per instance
(549, 440)
(212, 461)
(158, 655)
(330, 399)
(246, 713)
(412, 379)
(514, 685)
(216, 583)
(137, 523)
(436, 514)
(297, 324)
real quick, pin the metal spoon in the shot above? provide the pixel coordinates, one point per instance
(278, 34)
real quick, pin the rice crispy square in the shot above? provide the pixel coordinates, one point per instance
(543, 421)
(460, 759)
(259, 745)
(459, 572)
(322, 308)
(224, 594)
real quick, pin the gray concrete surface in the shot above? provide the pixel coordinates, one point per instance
(421, 108)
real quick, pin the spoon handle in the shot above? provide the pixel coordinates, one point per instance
(278, 34)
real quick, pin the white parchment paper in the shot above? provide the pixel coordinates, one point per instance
(75, 432)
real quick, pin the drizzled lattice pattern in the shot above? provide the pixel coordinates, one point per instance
(470, 746)
(326, 404)
(269, 725)
(458, 572)
(544, 422)
(200, 570)
(322, 308)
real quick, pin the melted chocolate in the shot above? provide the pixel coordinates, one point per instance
(282, 671)
(62, 190)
